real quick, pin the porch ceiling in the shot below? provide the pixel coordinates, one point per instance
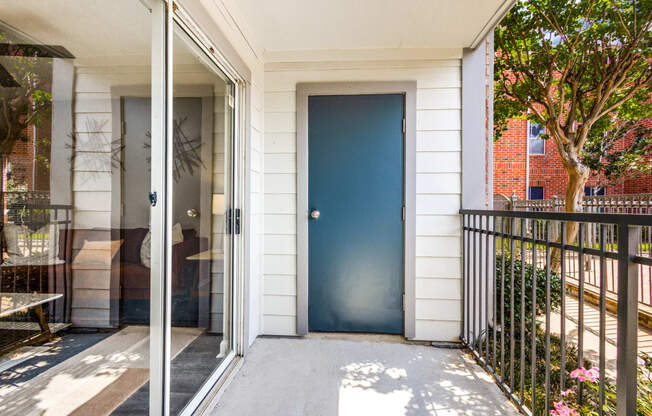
(295, 25)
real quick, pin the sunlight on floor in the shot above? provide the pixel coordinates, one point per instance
(326, 376)
(118, 364)
(357, 396)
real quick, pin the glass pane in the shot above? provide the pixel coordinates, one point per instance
(74, 153)
(201, 194)
(536, 192)
(535, 130)
(536, 146)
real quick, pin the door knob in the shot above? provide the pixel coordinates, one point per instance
(314, 214)
(192, 213)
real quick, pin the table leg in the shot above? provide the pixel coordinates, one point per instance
(37, 311)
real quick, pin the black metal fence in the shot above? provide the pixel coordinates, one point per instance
(640, 204)
(518, 319)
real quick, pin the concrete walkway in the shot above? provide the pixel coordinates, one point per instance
(592, 331)
(347, 375)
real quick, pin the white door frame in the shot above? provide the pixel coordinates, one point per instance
(409, 89)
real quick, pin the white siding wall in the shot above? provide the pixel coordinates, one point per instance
(92, 183)
(255, 231)
(438, 241)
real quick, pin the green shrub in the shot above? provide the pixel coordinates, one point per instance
(504, 369)
(504, 285)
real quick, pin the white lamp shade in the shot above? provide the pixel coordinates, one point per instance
(218, 204)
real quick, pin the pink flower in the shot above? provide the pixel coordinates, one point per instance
(592, 374)
(640, 361)
(582, 374)
(578, 373)
(567, 392)
(562, 410)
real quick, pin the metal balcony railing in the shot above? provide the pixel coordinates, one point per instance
(604, 204)
(640, 204)
(526, 326)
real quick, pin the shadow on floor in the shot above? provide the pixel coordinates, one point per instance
(331, 377)
(189, 370)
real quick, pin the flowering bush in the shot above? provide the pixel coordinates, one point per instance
(590, 378)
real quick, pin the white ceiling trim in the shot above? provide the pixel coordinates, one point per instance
(362, 55)
(498, 15)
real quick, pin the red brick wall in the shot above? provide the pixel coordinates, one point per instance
(22, 162)
(510, 160)
(545, 170)
(21, 159)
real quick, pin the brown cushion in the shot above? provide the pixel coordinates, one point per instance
(133, 240)
(135, 276)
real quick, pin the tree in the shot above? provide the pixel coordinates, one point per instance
(25, 97)
(623, 152)
(580, 68)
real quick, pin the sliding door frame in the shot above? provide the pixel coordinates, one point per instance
(159, 340)
(165, 16)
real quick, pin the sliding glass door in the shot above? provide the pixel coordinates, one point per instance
(201, 196)
(117, 228)
(75, 160)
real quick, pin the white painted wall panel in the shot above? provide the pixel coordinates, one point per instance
(433, 204)
(438, 329)
(439, 99)
(280, 264)
(447, 289)
(438, 267)
(279, 325)
(439, 141)
(438, 162)
(280, 163)
(280, 203)
(280, 285)
(280, 183)
(280, 305)
(281, 224)
(280, 101)
(439, 309)
(280, 143)
(280, 122)
(87, 220)
(438, 246)
(438, 183)
(280, 244)
(438, 225)
(92, 201)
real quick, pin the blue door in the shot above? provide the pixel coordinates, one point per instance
(355, 145)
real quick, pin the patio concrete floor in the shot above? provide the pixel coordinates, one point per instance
(346, 375)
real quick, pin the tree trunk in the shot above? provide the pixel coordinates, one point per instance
(578, 174)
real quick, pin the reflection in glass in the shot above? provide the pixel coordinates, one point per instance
(201, 194)
(74, 271)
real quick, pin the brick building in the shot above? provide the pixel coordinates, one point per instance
(530, 167)
(22, 168)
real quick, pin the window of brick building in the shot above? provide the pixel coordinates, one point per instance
(535, 144)
(535, 192)
(590, 191)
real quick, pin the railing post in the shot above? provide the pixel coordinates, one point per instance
(628, 237)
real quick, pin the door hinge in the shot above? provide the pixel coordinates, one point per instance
(403, 213)
(403, 125)
(231, 101)
(403, 302)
